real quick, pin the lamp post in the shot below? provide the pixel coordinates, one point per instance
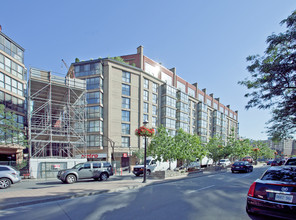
(144, 178)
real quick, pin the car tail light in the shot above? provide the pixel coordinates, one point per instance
(252, 190)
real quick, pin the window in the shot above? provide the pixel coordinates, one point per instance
(96, 165)
(191, 92)
(125, 128)
(145, 117)
(125, 115)
(181, 86)
(1, 80)
(146, 107)
(94, 126)
(146, 95)
(168, 79)
(154, 87)
(126, 103)
(154, 98)
(200, 97)
(94, 98)
(154, 110)
(94, 83)
(94, 112)
(154, 121)
(94, 140)
(125, 141)
(146, 83)
(126, 89)
(209, 102)
(126, 77)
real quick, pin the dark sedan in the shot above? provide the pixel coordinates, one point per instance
(274, 194)
(241, 166)
(276, 163)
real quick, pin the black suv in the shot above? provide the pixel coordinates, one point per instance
(96, 170)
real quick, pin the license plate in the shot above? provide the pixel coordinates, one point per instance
(284, 198)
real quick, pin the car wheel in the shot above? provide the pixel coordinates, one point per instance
(232, 171)
(103, 176)
(71, 179)
(96, 179)
(137, 174)
(4, 183)
(148, 172)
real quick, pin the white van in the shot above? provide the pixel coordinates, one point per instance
(153, 165)
(205, 162)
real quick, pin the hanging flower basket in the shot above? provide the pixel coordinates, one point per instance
(143, 131)
(256, 149)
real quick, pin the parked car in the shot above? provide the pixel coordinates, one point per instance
(276, 163)
(8, 176)
(90, 170)
(193, 166)
(153, 165)
(241, 166)
(291, 161)
(224, 162)
(268, 162)
(248, 158)
(274, 194)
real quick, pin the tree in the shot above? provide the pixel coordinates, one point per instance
(162, 145)
(273, 80)
(215, 148)
(188, 147)
(11, 132)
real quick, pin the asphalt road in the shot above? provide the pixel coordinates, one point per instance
(221, 196)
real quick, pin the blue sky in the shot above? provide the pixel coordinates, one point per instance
(207, 41)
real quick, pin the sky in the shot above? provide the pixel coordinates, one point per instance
(207, 41)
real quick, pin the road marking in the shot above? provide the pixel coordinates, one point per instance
(194, 191)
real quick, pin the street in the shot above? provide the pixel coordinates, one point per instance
(221, 196)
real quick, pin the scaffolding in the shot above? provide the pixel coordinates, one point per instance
(56, 115)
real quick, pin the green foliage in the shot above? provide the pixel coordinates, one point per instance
(139, 154)
(272, 82)
(183, 146)
(10, 130)
(215, 148)
(77, 60)
(162, 145)
(188, 147)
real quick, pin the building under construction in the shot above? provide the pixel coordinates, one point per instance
(56, 115)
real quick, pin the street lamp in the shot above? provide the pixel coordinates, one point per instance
(144, 178)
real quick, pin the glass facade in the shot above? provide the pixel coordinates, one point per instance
(88, 69)
(12, 81)
(11, 49)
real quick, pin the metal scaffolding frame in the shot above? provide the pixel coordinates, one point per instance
(56, 115)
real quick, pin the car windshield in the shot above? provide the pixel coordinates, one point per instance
(291, 162)
(148, 162)
(287, 174)
(77, 166)
(238, 163)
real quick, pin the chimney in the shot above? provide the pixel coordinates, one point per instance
(212, 95)
(0, 28)
(218, 99)
(204, 90)
(173, 70)
(140, 50)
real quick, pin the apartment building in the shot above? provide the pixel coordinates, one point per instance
(12, 93)
(122, 95)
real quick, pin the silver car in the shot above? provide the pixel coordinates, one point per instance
(8, 176)
(95, 170)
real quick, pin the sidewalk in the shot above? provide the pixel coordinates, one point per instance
(11, 199)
